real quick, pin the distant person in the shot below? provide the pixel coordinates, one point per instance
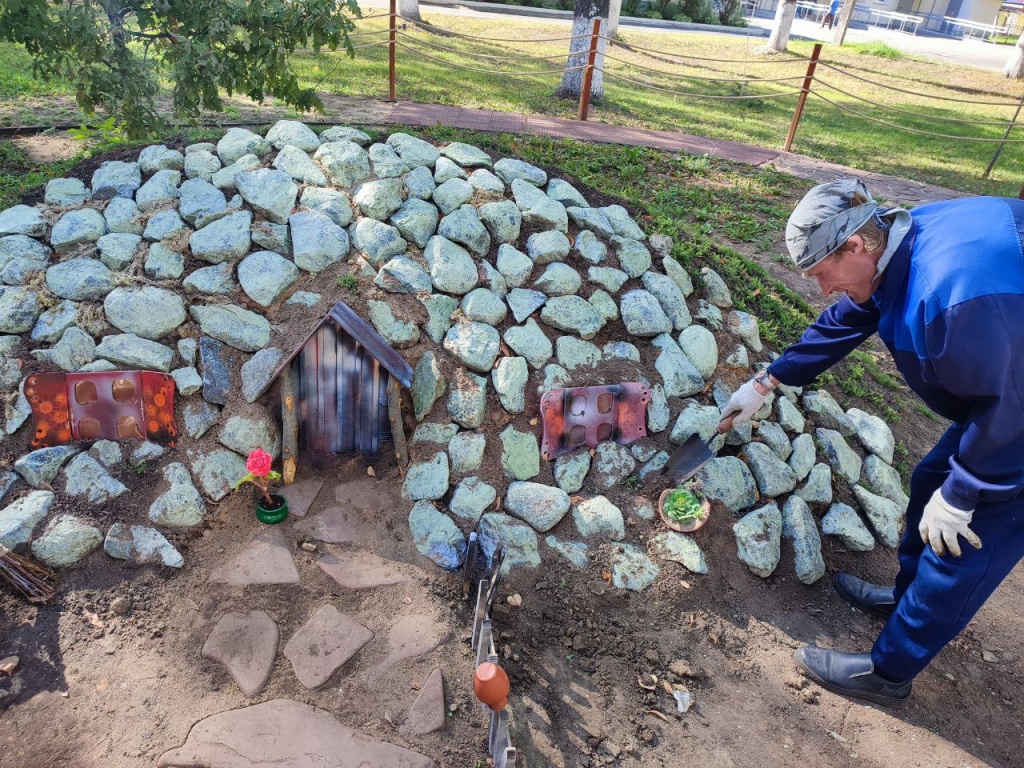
(943, 286)
(833, 12)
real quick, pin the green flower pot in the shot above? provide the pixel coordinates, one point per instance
(271, 515)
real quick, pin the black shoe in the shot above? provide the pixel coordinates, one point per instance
(878, 601)
(851, 674)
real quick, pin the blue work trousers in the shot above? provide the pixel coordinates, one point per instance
(937, 596)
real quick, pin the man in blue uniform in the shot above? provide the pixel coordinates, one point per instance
(944, 289)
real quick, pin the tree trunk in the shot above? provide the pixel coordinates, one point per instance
(784, 14)
(614, 11)
(844, 22)
(409, 9)
(579, 49)
(1015, 65)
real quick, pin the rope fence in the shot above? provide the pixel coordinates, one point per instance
(731, 79)
(683, 76)
(909, 111)
(916, 93)
(917, 131)
(692, 95)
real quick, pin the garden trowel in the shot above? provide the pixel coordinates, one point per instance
(687, 460)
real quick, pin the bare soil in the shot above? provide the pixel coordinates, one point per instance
(100, 684)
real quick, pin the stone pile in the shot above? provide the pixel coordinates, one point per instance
(523, 286)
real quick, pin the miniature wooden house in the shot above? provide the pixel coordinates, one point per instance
(335, 388)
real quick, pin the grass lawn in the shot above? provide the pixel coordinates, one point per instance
(430, 74)
(826, 132)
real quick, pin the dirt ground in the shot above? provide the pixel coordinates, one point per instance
(115, 682)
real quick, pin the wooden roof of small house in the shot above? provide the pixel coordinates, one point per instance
(364, 333)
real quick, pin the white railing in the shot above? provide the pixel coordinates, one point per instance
(814, 11)
(973, 28)
(891, 17)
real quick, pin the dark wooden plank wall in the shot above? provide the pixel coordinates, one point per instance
(342, 392)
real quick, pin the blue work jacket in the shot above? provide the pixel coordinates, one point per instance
(951, 311)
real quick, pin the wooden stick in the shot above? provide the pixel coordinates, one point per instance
(588, 73)
(36, 582)
(290, 426)
(391, 50)
(808, 79)
(397, 430)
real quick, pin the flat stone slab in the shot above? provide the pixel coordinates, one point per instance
(335, 525)
(427, 713)
(285, 734)
(363, 570)
(413, 636)
(301, 495)
(267, 560)
(246, 644)
(323, 645)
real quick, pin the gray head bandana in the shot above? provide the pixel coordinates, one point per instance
(827, 217)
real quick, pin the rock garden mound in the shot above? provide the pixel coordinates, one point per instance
(496, 280)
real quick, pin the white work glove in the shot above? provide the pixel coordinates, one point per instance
(941, 523)
(744, 403)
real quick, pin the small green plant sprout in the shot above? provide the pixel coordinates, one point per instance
(685, 505)
(630, 482)
(348, 282)
(138, 467)
(260, 473)
(106, 131)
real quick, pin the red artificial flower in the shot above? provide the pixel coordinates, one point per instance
(259, 463)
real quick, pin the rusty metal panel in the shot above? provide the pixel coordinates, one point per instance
(327, 395)
(324, 409)
(110, 405)
(348, 372)
(366, 335)
(48, 396)
(310, 429)
(342, 391)
(383, 418)
(364, 425)
(370, 421)
(349, 322)
(585, 416)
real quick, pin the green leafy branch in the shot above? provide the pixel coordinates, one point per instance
(206, 47)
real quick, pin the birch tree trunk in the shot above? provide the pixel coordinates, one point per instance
(409, 9)
(1015, 65)
(614, 11)
(845, 16)
(579, 50)
(784, 15)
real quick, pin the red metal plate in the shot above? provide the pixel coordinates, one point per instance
(47, 394)
(585, 416)
(102, 405)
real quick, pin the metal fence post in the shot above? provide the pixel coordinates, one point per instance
(808, 79)
(1002, 142)
(588, 74)
(391, 52)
